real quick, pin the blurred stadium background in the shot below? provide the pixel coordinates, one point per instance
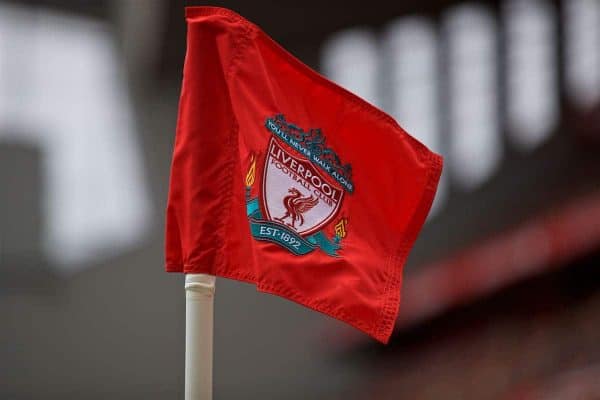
(501, 296)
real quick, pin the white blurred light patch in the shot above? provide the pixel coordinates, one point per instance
(475, 144)
(531, 67)
(411, 54)
(582, 51)
(62, 90)
(350, 59)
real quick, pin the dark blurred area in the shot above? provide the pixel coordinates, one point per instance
(501, 295)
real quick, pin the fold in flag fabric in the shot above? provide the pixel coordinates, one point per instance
(283, 179)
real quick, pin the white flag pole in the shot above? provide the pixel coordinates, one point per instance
(199, 299)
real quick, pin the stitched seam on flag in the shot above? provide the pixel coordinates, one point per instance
(175, 266)
(391, 295)
(392, 300)
(240, 42)
(237, 275)
(305, 69)
(230, 274)
(321, 306)
(191, 12)
(225, 186)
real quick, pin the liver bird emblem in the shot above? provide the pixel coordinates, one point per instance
(295, 206)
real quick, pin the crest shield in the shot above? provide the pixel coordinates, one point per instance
(295, 193)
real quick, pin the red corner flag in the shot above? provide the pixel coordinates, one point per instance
(283, 179)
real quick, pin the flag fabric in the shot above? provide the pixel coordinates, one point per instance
(283, 179)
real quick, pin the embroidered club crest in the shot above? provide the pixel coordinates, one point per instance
(295, 193)
(302, 189)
